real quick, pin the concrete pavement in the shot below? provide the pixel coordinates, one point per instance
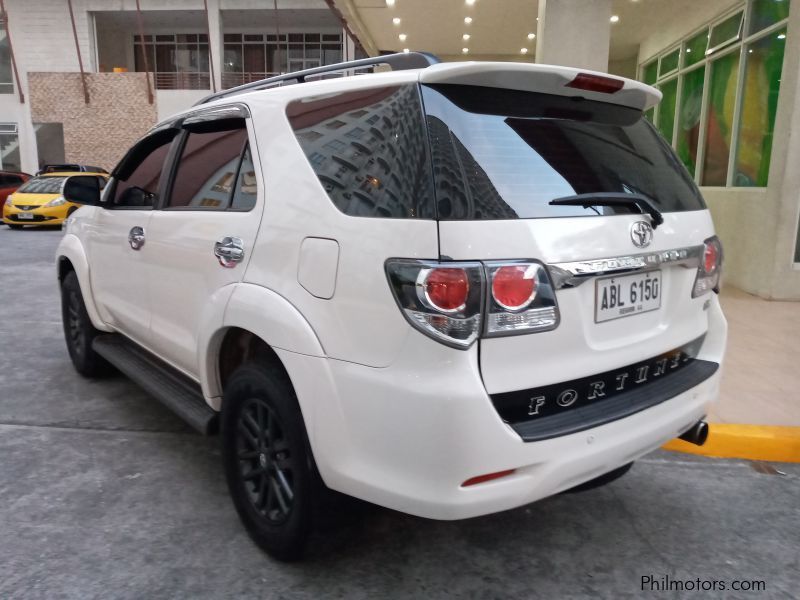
(103, 493)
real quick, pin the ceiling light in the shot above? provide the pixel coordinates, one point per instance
(467, 20)
(531, 36)
(396, 20)
(389, 2)
(402, 37)
(523, 50)
(688, 50)
(465, 50)
(614, 19)
(470, 2)
(782, 36)
(465, 37)
(406, 50)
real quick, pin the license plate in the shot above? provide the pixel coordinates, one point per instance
(25, 215)
(627, 295)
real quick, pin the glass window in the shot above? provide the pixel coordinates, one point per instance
(139, 172)
(650, 73)
(695, 49)
(726, 32)
(6, 73)
(207, 168)
(245, 193)
(689, 118)
(666, 110)
(43, 185)
(762, 81)
(385, 173)
(668, 63)
(9, 152)
(719, 120)
(767, 12)
(504, 154)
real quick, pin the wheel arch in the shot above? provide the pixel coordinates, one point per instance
(255, 323)
(71, 256)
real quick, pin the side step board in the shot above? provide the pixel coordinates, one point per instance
(173, 389)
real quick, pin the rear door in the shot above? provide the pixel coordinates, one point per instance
(203, 235)
(624, 291)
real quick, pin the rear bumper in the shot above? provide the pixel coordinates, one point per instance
(407, 436)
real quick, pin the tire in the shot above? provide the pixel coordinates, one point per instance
(270, 471)
(79, 331)
(10, 226)
(600, 481)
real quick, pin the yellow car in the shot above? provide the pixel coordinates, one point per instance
(39, 200)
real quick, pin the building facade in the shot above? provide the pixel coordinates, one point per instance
(50, 116)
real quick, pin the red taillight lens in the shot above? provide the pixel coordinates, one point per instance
(514, 286)
(596, 83)
(710, 257)
(447, 289)
(487, 477)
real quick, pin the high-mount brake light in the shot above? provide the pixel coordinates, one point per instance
(456, 302)
(596, 83)
(709, 271)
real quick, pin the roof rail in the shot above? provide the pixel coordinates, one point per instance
(400, 61)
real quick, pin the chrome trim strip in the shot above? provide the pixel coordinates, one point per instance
(572, 274)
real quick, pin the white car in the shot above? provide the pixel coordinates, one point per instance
(447, 289)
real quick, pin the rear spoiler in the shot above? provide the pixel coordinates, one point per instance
(546, 79)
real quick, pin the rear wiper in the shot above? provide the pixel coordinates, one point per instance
(640, 201)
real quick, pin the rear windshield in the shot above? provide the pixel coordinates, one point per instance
(42, 185)
(504, 154)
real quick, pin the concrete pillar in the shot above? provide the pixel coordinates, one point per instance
(215, 40)
(574, 33)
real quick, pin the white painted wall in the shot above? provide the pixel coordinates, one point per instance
(574, 33)
(169, 102)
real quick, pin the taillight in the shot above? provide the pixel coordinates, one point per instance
(522, 299)
(709, 270)
(445, 288)
(454, 302)
(442, 300)
(514, 286)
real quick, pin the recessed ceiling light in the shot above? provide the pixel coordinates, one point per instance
(402, 37)
(470, 2)
(467, 20)
(688, 50)
(531, 36)
(465, 50)
(782, 36)
(465, 37)
(523, 50)
(406, 50)
(389, 2)
(396, 20)
(614, 19)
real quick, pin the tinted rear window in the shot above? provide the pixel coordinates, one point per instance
(504, 154)
(42, 185)
(369, 150)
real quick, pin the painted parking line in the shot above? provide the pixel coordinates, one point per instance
(751, 442)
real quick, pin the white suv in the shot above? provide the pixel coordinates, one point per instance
(447, 289)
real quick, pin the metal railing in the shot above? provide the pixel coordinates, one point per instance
(182, 81)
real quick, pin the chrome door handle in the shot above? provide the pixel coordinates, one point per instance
(136, 238)
(229, 251)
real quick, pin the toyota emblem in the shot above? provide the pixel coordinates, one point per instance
(641, 234)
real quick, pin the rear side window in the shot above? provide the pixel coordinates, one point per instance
(504, 154)
(207, 170)
(42, 185)
(369, 150)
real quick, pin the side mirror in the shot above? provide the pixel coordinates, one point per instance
(83, 189)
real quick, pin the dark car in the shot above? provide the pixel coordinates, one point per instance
(59, 168)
